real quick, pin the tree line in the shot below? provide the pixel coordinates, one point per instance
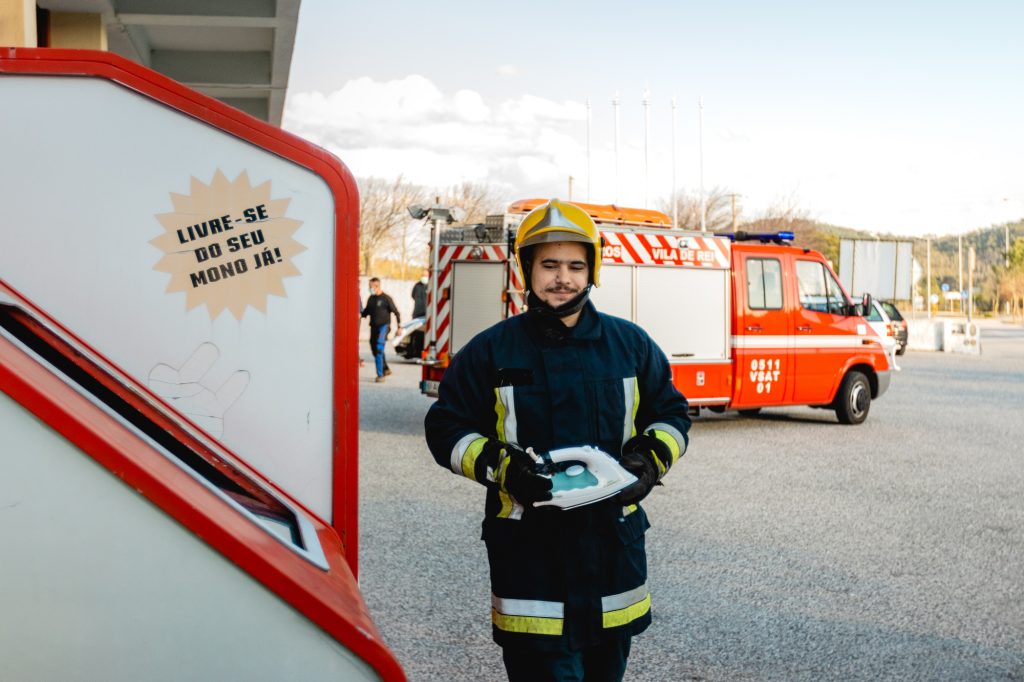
(392, 244)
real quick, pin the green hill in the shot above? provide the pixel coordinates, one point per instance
(989, 243)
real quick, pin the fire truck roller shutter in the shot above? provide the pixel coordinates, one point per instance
(685, 310)
(476, 299)
(615, 296)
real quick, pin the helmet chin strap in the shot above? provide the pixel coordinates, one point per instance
(573, 305)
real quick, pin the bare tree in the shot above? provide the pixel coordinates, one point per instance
(784, 213)
(717, 209)
(383, 217)
(478, 200)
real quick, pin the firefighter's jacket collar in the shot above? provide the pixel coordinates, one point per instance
(550, 328)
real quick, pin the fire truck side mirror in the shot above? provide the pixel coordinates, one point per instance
(418, 212)
(865, 305)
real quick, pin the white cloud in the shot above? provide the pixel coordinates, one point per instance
(530, 146)
(469, 106)
(409, 127)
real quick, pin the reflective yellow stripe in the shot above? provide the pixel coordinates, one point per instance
(670, 435)
(614, 619)
(505, 407)
(469, 458)
(499, 409)
(673, 448)
(531, 616)
(526, 624)
(507, 504)
(460, 449)
(626, 511)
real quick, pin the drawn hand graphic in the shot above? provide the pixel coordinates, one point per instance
(183, 389)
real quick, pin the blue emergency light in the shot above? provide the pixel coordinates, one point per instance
(763, 237)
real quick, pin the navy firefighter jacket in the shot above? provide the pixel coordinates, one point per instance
(560, 580)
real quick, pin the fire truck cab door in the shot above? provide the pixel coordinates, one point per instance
(763, 343)
(824, 332)
(476, 299)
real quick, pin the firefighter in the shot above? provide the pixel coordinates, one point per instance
(569, 588)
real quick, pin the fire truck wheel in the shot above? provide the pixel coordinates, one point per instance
(752, 412)
(854, 399)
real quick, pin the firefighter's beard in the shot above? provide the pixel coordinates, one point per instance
(573, 305)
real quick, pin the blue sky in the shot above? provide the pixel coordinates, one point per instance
(899, 117)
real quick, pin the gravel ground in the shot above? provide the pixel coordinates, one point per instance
(783, 547)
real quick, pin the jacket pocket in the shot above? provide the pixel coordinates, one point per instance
(632, 527)
(608, 405)
(524, 563)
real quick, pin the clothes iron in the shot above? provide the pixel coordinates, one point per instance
(581, 475)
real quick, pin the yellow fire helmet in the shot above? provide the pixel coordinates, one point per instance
(558, 221)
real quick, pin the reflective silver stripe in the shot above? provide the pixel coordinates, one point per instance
(506, 395)
(621, 601)
(529, 607)
(810, 341)
(517, 511)
(460, 449)
(629, 393)
(672, 431)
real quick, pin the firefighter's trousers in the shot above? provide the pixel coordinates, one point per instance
(603, 663)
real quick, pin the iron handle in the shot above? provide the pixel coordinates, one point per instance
(804, 328)
(754, 328)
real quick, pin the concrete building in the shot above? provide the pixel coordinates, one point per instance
(238, 51)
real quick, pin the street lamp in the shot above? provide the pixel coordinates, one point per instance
(436, 214)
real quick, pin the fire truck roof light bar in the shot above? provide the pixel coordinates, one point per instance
(763, 237)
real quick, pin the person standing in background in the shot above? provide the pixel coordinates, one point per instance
(419, 295)
(379, 308)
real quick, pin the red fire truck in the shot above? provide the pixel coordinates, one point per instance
(747, 321)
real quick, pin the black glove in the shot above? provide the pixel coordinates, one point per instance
(516, 473)
(640, 457)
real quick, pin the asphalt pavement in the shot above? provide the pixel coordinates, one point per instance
(784, 547)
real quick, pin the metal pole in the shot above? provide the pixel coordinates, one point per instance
(970, 283)
(960, 267)
(647, 146)
(929, 279)
(435, 238)
(588, 151)
(675, 203)
(615, 106)
(703, 210)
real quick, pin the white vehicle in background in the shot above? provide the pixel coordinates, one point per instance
(409, 344)
(885, 327)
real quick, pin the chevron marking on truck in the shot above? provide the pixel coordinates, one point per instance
(630, 248)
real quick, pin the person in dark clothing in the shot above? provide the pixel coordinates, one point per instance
(379, 308)
(568, 588)
(419, 295)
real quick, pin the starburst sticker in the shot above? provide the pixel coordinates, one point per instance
(228, 245)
